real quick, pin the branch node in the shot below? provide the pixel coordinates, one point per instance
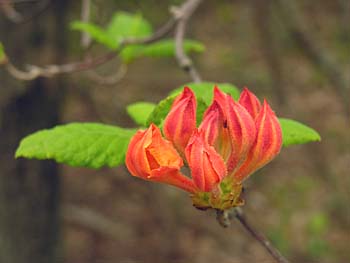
(176, 12)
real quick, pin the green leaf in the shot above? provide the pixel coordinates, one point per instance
(166, 48)
(3, 57)
(204, 90)
(97, 33)
(90, 145)
(140, 111)
(122, 25)
(201, 108)
(294, 132)
(160, 111)
(162, 48)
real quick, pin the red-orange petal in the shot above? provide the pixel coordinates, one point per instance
(267, 145)
(162, 151)
(241, 128)
(153, 158)
(173, 177)
(181, 120)
(207, 166)
(215, 130)
(250, 102)
(136, 159)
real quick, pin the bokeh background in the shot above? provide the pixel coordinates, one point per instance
(294, 53)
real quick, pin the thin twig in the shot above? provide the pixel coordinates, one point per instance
(109, 80)
(34, 72)
(48, 71)
(273, 251)
(224, 218)
(85, 16)
(183, 14)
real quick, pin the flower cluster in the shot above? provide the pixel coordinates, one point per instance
(233, 140)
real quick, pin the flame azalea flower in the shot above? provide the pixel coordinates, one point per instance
(234, 140)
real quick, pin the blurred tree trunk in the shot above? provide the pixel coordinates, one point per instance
(29, 190)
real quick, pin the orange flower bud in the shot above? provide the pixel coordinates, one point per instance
(233, 140)
(215, 130)
(181, 120)
(207, 166)
(153, 158)
(267, 145)
(250, 102)
(238, 129)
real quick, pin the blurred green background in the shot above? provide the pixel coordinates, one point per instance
(294, 53)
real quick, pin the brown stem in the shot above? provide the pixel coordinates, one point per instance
(224, 219)
(34, 72)
(51, 70)
(109, 80)
(183, 13)
(273, 251)
(85, 16)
